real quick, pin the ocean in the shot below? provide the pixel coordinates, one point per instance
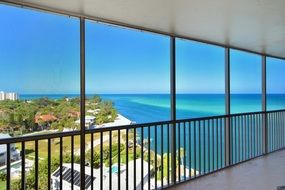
(142, 108)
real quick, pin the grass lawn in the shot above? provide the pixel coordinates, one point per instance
(2, 185)
(55, 145)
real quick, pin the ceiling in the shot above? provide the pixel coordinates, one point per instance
(255, 25)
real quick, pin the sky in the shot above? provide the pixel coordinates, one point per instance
(199, 67)
(275, 76)
(246, 72)
(39, 54)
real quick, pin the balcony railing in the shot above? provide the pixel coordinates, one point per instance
(147, 156)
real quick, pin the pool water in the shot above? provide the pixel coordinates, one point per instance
(115, 169)
(15, 167)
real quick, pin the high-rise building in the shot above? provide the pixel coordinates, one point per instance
(11, 96)
(8, 96)
(2, 95)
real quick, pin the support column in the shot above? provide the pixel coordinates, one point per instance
(264, 108)
(82, 103)
(227, 131)
(173, 107)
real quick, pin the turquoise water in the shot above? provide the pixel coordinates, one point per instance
(115, 169)
(156, 107)
(141, 108)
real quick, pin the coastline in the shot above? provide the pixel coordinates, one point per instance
(119, 121)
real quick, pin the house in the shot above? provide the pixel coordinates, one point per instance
(89, 121)
(47, 119)
(74, 114)
(15, 154)
(96, 111)
(66, 176)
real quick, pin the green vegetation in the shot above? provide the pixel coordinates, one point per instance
(106, 111)
(22, 116)
(42, 175)
(19, 117)
(2, 185)
(26, 116)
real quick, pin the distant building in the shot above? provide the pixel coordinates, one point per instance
(2, 95)
(44, 121)
(66, 176)
(11, 96)
(45, 118)
(8, 96)
(75, 114)
(89, 121)
(15, 154)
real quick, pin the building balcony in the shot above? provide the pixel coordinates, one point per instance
(264, 172)
(229, 151)
(142, 94)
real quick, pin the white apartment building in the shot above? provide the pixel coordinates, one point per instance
(11, 96)
(15, 154)
(8, 96)
(2, 95)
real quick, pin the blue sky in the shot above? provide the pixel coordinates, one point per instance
(199, 67)
(126, 61)
(245, 72)
(275, 76)
(39, 53)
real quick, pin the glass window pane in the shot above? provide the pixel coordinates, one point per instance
(40, 66)
(39, 87)
(200, 79)
(130, 70)
(245, 81)
(275, 83)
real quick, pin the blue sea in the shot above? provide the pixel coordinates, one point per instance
(141, 108)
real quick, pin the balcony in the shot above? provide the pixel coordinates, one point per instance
(130, 95)
(201, 149)
(249, 175)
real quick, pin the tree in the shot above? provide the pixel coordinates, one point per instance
(42, 175)
(96, 158)
(12, 119)
(2, 176)
(30, 121)
(19, 119)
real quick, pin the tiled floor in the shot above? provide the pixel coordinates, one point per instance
(263, 173)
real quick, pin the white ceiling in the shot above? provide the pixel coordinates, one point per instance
(256, 25)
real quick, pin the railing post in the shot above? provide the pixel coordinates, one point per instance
(264, 108)
(82, 103)
(173, 107)
(227, 133)
(8, 167)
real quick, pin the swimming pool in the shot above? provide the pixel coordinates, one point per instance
(14, 165)
(115, 169)
(17, 165)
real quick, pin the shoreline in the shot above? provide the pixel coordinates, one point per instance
(119, 121)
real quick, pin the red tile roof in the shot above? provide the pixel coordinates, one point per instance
(45, 118)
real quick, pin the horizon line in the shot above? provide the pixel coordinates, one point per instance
(158, 93)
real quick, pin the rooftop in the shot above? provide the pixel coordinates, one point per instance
(3, 147)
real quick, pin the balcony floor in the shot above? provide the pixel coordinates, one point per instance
(263, 173)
